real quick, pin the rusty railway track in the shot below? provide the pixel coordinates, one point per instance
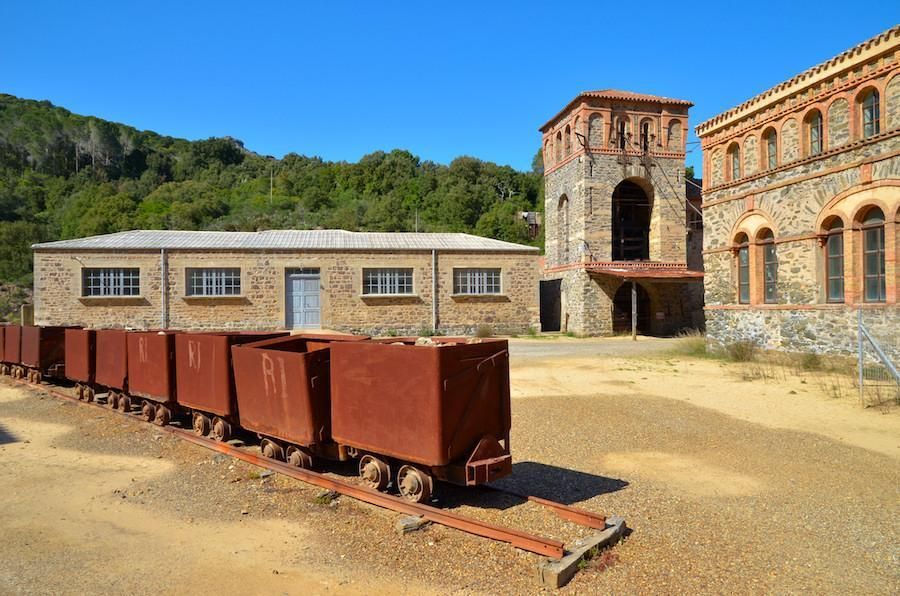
(547, 547)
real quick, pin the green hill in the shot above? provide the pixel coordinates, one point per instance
(63, 175)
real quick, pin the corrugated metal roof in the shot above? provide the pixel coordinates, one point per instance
(284, 240)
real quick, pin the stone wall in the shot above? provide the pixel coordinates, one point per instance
(825, 329)
(838, 123)
(567, 181)
(58, 298)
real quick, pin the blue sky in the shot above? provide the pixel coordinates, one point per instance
(342, 79)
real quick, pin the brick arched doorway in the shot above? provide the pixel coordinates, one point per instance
(630, 223)
(621, 319)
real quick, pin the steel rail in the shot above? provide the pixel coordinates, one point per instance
(536, 544)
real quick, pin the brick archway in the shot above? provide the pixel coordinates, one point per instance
(631, 213)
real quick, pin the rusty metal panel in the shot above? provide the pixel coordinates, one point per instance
(111, 359)
(203, 375)
(43, 347)
(151, 364)
(2, 340)
(428, 404)
(283, 387)
(12, 342)
(80, 354)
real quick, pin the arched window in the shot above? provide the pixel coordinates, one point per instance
(834, 260)
(621, 133)
(548, 155)
(645, 136)
(563, 220)
(674, 141)
(769, 260)
(557, 153)
(734, 162)
(871, 114)
(874, 289)
(814, 132)
(568, 140)
(771, 143)
(742, 249)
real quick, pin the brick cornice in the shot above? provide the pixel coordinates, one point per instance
(787, 109)
(824, 306)
(870, 49)
(612, 151)
(782, 240)
(827, 171)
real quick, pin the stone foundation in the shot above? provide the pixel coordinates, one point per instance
(820, 330)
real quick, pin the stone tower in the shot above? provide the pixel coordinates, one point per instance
(618, 218)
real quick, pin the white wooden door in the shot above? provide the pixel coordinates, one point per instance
(303, 299)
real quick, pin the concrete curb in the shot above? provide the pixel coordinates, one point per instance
(557, 573)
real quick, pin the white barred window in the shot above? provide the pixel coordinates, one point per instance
(476, 281)
(216, 281)
(110, 281)
(387, 281)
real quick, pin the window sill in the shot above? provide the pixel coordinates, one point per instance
(480, 297)
(240, 299)
(390, 299)
(113, 300)
(389, 296)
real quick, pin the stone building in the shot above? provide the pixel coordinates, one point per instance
(375, 283)
(800, 206)
(618, 222)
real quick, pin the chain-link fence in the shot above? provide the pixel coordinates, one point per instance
(878, 358)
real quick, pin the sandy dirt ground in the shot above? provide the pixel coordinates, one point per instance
(730, 486)
(56, 512)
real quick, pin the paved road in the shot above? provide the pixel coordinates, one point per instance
(567, 347)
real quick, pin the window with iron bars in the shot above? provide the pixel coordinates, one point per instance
(216, 281)
(476, 281)
(387, 281)
(110, 281)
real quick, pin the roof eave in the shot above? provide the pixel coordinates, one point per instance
(588, 94)
(796, 83)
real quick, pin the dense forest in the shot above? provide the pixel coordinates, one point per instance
(63, 175)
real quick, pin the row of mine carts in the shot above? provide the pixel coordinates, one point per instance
(408, 411)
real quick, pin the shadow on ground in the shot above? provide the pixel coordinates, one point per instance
(532, 479)
(7, 437)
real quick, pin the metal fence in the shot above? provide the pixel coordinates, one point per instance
(878, 359)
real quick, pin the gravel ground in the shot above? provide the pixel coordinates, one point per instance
(715, 504)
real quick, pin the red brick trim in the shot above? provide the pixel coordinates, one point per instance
(832, 306)
(826, 172)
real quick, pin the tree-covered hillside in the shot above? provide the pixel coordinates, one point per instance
(63, 175)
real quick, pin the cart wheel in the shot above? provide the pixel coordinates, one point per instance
(414, 484)
(272, 450)
(163, 415)
(125, 403)
(374, 472)
(148, 411)
(221, 430)
(201, 425)
(299, 457)
(112, 400)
